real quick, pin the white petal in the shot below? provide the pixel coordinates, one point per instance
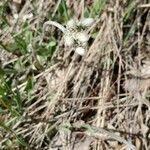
(69, 41)
(87, 22)
(82, 37)
(80, 51)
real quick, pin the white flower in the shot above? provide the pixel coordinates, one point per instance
(28, 16)
(16, 16)
(87, 22)
(82, 37)
(71, 24)
(80, 51)
(69, 40)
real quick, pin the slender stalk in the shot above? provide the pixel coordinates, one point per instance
(52, 23)
(56, 24)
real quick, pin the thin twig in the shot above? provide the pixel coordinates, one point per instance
(52, 23)
(144, 6)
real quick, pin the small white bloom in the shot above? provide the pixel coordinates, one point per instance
(16, 16)
(28, 16)
(69, 41)
(71, 24)
(87, 22)
(80, 51)
(82, 37)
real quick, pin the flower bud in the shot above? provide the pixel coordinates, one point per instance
(28, 16)
(15, 16)
(69, 41)
(87, 22)
(71, 24)
(82, 37)
(80, 51)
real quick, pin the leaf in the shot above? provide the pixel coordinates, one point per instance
(29, 85)
(18, 100)
(28, 37)
(51, 44)
(97, 8)
(21, 141)
(129, 11)
(21, 43)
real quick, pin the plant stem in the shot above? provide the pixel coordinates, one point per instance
(56, 24)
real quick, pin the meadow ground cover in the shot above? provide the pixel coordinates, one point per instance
(74, 74)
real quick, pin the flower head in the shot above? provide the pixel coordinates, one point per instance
(87, 22)
(82, 37)
(74, 36)
(80, 51)
(69, 40)
(71, 24)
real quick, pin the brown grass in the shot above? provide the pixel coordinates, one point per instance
(98, 101)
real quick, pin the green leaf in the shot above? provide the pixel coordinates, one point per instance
(21, 141)
(29, 85)
(129, 11)
(131, 32)
(28, 37)
(86, 13)
(18, 100)
(97, 8)
(21, 43)
(51, 44)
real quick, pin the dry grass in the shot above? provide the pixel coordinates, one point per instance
(69, 102)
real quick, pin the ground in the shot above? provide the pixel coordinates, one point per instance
(54, 96)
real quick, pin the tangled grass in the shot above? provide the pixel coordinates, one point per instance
(52, 98)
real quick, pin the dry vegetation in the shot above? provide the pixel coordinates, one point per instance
(54, 99)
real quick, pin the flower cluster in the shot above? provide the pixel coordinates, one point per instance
(76, 36)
